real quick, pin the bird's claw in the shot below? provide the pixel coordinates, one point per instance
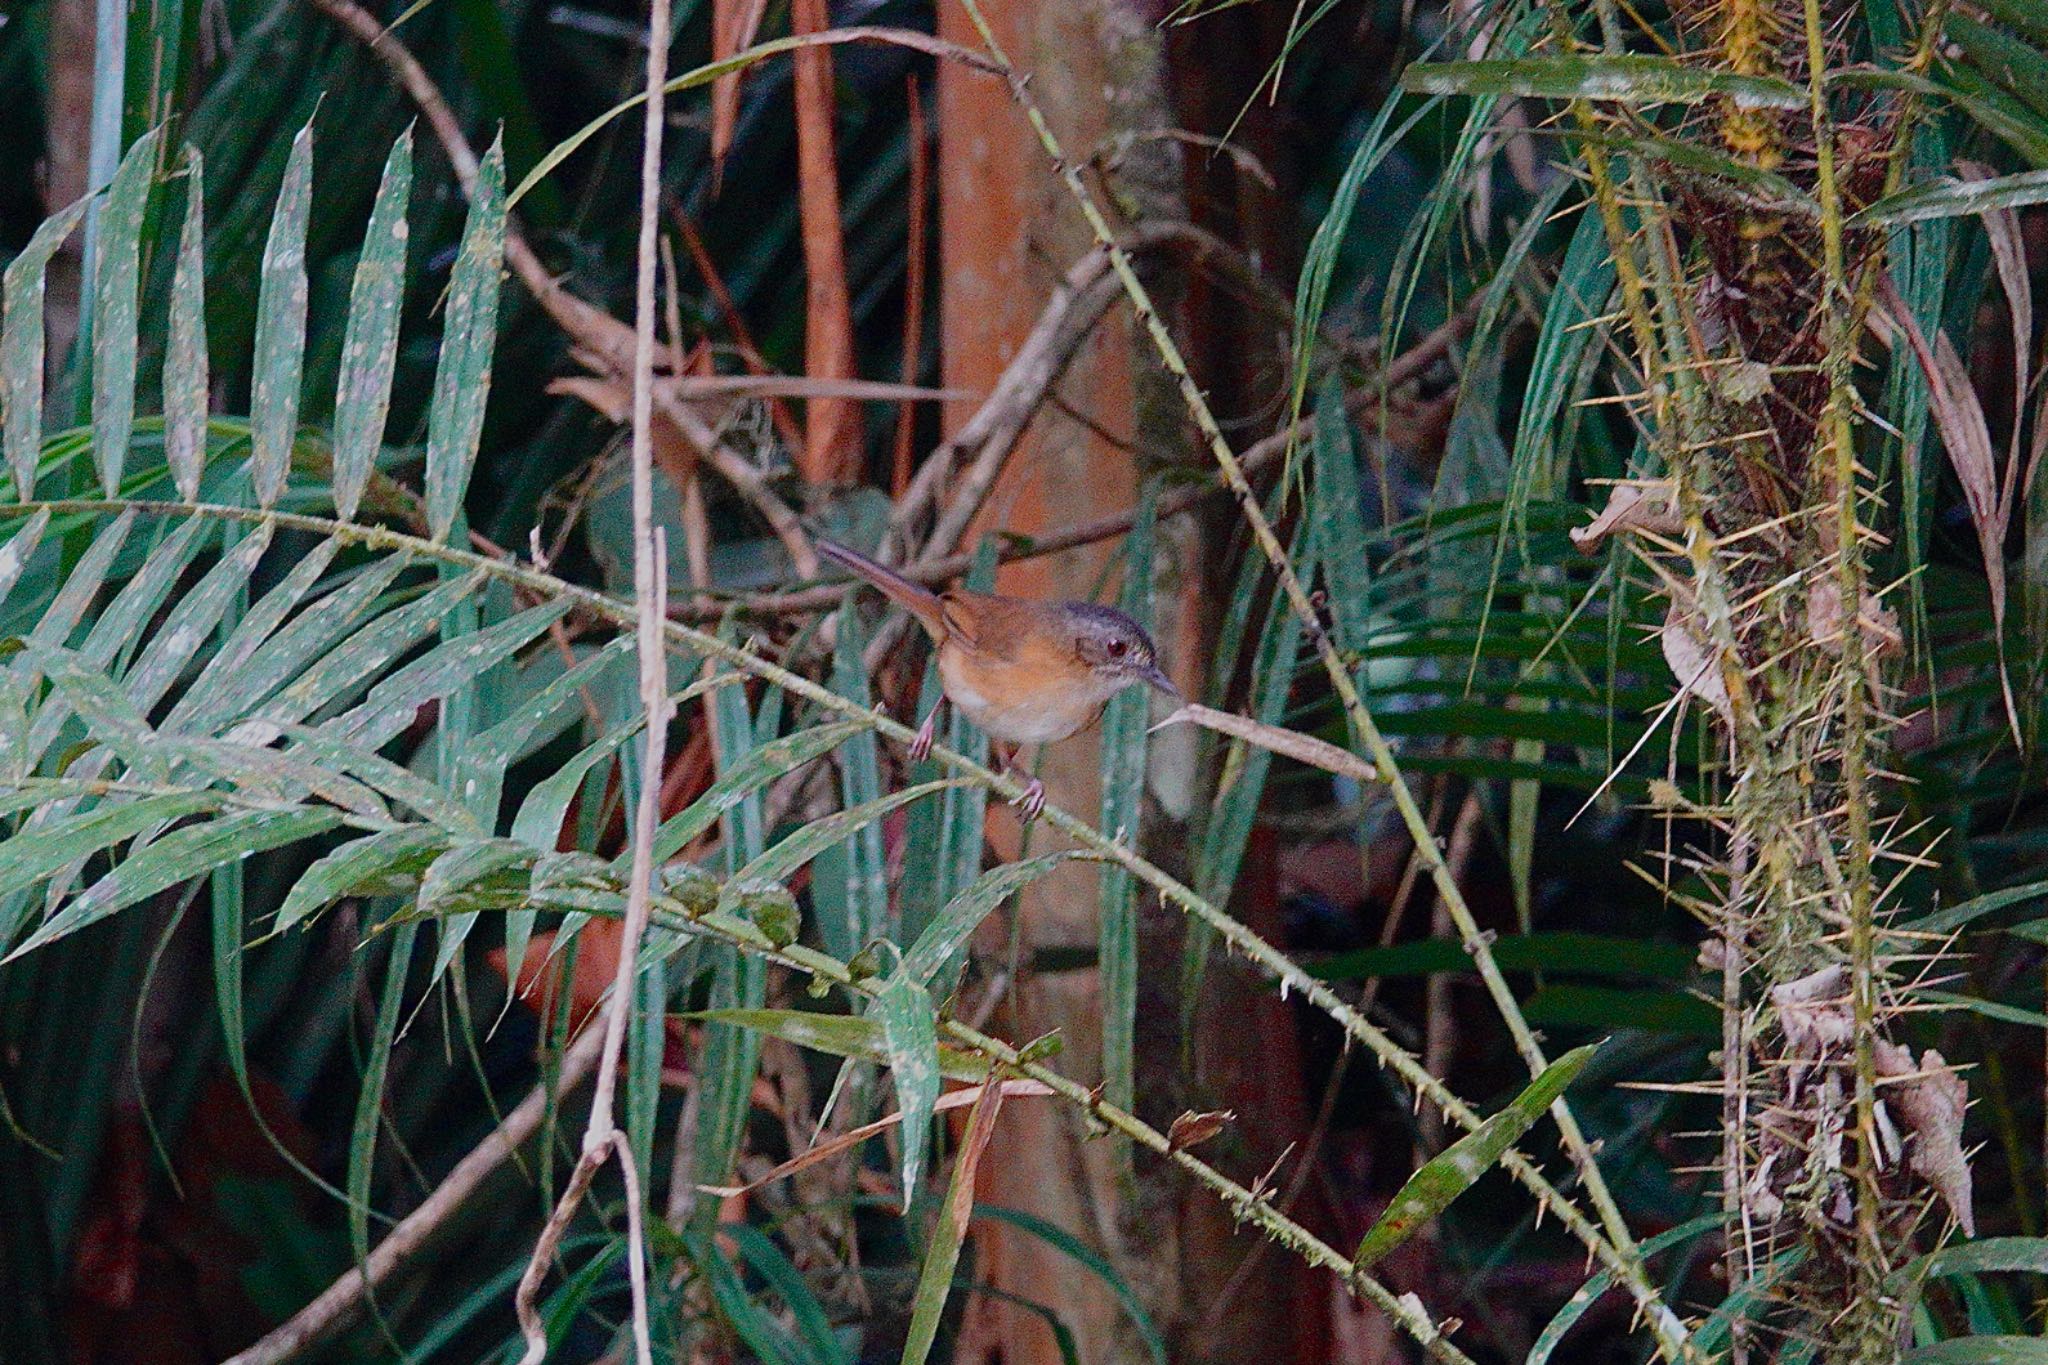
(921, 742)
(1032, 802)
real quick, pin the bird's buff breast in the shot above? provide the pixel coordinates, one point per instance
(1015, 703)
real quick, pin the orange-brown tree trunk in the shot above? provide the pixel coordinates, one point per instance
(1008, 231)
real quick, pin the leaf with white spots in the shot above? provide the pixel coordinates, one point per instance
(910, 1029)
(281, 327)
(21, 345)
(369, 349)
(462, 382)
(1458, 1167)
(185, 381)
(117, 283)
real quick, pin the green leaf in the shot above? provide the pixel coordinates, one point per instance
(386, 863)
(955, 924)
(812, 1324)
(278, 660)
(781, 860)
(118, 268)
(747, 775)
(186, 392)
(1626, 79)
(281, 327)
(396, 782)
(1123, 801)
(1610, 1007)
(362, 1146)
(839, 1035)
(369, 350)
(485, 758)
(1072, 1247)
(1949, 198)
(178, 857)
(1982, 1351)
(862, 907)
(1956, 916)
(251, 633)
(21, 345)
(99, 701)
(193, 620)
(1589, 1294)
(453, 663)
(358, 659)
(910, 1032)
(462, 381)
(31, 856)
(490, 870)
(1458, 1167)
(539, 822)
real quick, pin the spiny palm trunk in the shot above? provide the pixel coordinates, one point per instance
(1746, 318)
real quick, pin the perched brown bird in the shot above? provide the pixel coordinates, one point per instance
(1025, 672)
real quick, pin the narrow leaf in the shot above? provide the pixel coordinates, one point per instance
(21, 345)
(462, 382)
(1624, 79)
(1123, 797)
(281, 327)
(369, 349)
(178, 857)
(118, 267)
(909, 1029)
(454, 663)
(935, 1280)
(839, 1035)
(1458, 1167)
(747, 775)
(185, 362)
(386, 863)
(950, 929)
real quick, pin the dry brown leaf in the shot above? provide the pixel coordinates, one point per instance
(734, 25)
(830, 424)
(1967, 437)
(1825, 625)
(1192, 1129)
(1932, 1098)
(1814, 1012)
(1630, 507)
(1292, 744)
(2009, 250)
(1692, 665)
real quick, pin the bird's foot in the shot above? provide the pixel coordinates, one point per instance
(921, 742)
(1032, 802)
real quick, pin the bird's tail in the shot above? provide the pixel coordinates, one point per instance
(915, 598)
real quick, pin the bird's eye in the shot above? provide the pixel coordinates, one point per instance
(1118, 648)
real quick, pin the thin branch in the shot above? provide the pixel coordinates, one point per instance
(602, 1137)
(338, 1305)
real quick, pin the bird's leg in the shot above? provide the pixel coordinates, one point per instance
(921, 743)
(1032, 802)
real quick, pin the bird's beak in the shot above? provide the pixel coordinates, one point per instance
(1152, 674)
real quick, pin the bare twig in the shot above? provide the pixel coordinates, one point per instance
(602, 1137)
(338, 1305)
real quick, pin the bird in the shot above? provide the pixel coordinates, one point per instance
(1025, 671)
